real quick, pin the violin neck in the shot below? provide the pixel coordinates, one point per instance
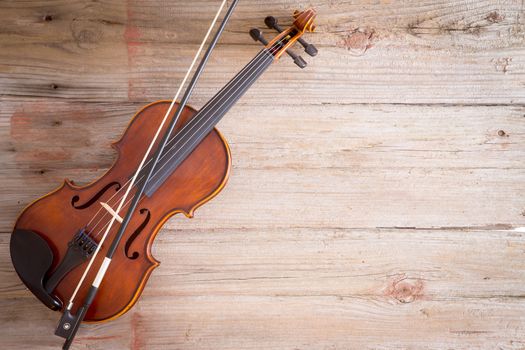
(235, 89)
(205, 119)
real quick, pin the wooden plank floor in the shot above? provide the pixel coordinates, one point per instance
(376, 197)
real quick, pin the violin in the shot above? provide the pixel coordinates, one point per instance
(86, 250)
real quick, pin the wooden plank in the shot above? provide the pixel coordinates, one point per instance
(448, 166)
(419, 53)
(307, 288)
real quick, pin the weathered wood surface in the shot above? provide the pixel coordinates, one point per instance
(410, 52)
(375, 208)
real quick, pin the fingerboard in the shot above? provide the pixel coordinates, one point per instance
(188, 138)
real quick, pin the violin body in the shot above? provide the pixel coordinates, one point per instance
(57, 216)
(67, 247)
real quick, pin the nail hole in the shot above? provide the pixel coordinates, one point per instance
(48, 18)
(57, 123)
(54, 86)
(501, 133)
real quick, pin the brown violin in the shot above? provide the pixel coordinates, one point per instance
(86, 251)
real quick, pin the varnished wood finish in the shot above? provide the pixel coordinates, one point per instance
(200, 177)
(304, 22)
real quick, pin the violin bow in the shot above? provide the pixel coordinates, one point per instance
(70, 323)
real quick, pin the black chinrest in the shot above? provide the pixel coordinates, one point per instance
(32, 258)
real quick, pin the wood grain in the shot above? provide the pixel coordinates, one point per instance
(464, 52)
(374, 196)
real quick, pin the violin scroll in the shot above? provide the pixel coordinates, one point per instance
(304, 22)
(272, 23)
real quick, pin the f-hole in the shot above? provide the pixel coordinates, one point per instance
(135, 234)
(99, 194)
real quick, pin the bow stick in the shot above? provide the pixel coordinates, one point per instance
(69, 323)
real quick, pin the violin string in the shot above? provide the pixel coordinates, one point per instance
(244, 76)
(173, 139)
(163, 156)
(252, 78)
(99, 209)
(97, 234)
(263, 53)
(144, 159)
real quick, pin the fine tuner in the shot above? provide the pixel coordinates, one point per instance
(272, 23)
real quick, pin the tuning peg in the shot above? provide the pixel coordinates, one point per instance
(271, 22)
(298, 60)
(257, 35)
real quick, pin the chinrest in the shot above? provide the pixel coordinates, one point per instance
(32, 258)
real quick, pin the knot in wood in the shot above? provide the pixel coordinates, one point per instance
(87, 34)
(404, 289)
(358, 41)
